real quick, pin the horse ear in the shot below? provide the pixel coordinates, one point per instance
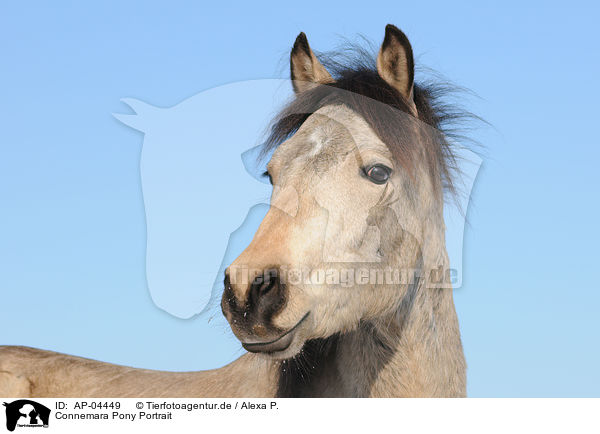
(395, 63)
(306, 70)
(145, 114)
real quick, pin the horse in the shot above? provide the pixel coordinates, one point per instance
(340, 293)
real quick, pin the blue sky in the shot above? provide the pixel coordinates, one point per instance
(72, 221)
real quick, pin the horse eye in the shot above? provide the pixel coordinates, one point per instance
(379, 174)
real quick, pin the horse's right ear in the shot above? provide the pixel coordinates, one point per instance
(305, 68)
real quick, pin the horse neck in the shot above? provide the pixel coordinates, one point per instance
(414, 352)
(417, 352)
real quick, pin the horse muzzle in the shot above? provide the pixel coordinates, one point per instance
(250, 309)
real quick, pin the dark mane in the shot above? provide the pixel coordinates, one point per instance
(359, 87)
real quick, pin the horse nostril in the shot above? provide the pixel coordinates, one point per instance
(229, 299)
(265, 296)
(268, 285)
(264, 284)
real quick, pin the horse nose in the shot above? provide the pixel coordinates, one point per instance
(265, 288)
(250, 306)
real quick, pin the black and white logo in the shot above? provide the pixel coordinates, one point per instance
(26, 413)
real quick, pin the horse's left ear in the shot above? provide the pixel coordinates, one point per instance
(305, 68)
(395, 63)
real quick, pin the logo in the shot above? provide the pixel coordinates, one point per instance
(26, 413)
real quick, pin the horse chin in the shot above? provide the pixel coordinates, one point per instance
(284, 346)
(290, 352)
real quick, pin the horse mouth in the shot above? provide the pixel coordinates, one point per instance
(280, 344)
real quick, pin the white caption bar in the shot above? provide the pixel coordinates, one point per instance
(149, 415)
